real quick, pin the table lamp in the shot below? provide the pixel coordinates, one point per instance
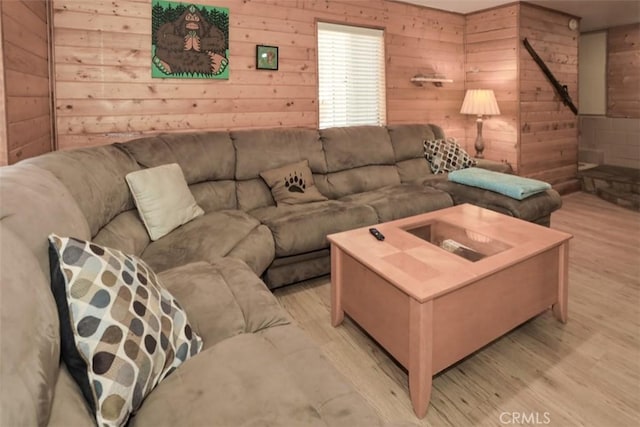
(481, 102)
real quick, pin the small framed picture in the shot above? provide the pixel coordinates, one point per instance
(266, 57)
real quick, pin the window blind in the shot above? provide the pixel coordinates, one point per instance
(351, 76)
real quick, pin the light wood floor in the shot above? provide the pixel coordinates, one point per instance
(584, 373)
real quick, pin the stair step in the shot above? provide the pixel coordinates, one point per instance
(616, 177)
(625, 199)
(568, 186)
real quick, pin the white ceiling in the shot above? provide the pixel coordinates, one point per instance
(595, 14)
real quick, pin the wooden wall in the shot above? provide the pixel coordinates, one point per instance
(3, 103)
(623, 71)
(25, 129)
(548, 128)
(535, 133)
(105, 92)
(492, 63)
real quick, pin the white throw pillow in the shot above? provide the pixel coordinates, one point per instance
(163, 198)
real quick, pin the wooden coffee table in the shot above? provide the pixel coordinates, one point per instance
(443, 284)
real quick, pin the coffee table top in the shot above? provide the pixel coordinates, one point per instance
(434, 253)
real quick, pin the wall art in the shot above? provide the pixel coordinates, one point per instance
(189, 41)
(266, 57)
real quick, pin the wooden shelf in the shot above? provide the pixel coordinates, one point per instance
(437, 81)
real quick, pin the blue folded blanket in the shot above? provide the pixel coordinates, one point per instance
(513, 186)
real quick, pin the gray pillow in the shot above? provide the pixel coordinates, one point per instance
(163, 198)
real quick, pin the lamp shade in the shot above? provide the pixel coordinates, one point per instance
(480, 102)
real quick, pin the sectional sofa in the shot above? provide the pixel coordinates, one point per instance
(255, 366)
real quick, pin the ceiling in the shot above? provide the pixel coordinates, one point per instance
(595, 14)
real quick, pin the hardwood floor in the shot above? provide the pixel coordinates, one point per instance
(584, 373)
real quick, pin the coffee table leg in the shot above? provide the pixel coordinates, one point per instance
(420, 355)
(337, 313)
(560, 307)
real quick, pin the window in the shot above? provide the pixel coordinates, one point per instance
(351, 79)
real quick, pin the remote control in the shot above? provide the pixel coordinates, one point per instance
(378, 235)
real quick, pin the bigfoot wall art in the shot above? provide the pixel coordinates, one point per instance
(189, 41)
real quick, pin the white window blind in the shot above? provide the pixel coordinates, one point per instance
(351, 79)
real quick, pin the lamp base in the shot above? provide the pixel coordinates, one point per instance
(479, 144)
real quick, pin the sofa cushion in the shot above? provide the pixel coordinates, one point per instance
(407, 139)
(534, 208)
(203, 156)
(69, 408)
(205, 238)
(296, 268)
(303, 228)
(253, 194)
(413, 169)
(162, 198)
(121, 331)
(257, 249)
(357, 180)
(223, 298)
(30, 343)
(263, 149)
(125, 232)
(95, 178)
(408, 147)
(292, 184)
(33, 204)
(446, 155)
(355, 146)
(215, 195)
(403, 200)
(276, 377)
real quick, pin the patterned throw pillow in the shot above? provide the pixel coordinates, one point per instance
(292, 184)
(121, 331)
(445, 155)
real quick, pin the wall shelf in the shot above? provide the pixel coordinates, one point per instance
(437, 81)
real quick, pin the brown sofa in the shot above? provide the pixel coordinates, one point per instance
(256, 367)
(370, 174)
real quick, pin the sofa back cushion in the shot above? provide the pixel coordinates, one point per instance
(33, 203)
(407, 141)
(359, 158)
(126, 232)
(95, 178)
(207, 159)
(203, 156)
(264, 149)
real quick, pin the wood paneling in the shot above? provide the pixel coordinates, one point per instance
(623, 71)
(492, 63)
(535, 132)
(548, 129)
(24, 47)
(105, 92)
(3, 102)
